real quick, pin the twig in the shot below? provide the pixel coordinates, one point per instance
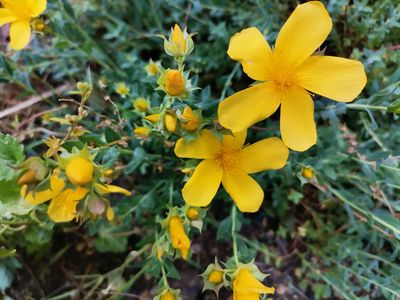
(32, 101)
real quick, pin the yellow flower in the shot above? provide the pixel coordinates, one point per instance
(170, 121)
(168, 296)
(121, 89)
(19, 13)
(179, 238)
(191, 121)
(192, 213)
(287, 74)
(63, 203)
(79, 170)
(216, 276)
(153, 118)
(141, 132)
(180, 43)
(141, 104)
(152, 68)
(227, 161)
(307, 172)
(175, 83)
(247, 287)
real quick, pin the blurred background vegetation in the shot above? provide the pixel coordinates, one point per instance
(333, 236)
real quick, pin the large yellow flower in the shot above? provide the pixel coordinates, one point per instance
(247, 287)
(19, 14)
(287, 74)
(227, 161)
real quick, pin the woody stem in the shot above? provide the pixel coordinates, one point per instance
(233, 232)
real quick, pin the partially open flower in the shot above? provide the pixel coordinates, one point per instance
(190, 119)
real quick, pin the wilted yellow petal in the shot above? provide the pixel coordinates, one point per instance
(250, 48)
(206, 145)
(336, 78)
(246, 283)
(63, 207)
(298, 128)
(244, 190)
(267, 154)
(204, 183)
(247, 107)
(179, 238)
(305, 30)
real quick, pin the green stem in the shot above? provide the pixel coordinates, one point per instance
(234, 237)
(366, 106)
(164, 275)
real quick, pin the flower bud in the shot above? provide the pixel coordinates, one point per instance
(192, 213)
(168, 296)
(79, 171)
(170, 121)
(29, 177)
(179, 44)
(38, 25)
(152, 68)
(307, 172)
(175, 83)
(121, 89)
(141, 104)
(216, 276)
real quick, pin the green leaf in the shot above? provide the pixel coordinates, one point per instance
(11, 154)
(111, 135)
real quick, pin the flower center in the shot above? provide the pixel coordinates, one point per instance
(228, 160)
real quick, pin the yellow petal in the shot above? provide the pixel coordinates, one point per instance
(178, 37)
(239, 296)
(110, 188)
(20, 33)
(56, 184)
(236, 141)
(6, 16)
(244, 190)
(267, 154)
(247, 107)
(63, 207)
(298, 128)
(39, 197)
(246, 283)
(204, 183)
(305, 30)
(336, 78)
(250, 48)
(206, 145)
(37, 7)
